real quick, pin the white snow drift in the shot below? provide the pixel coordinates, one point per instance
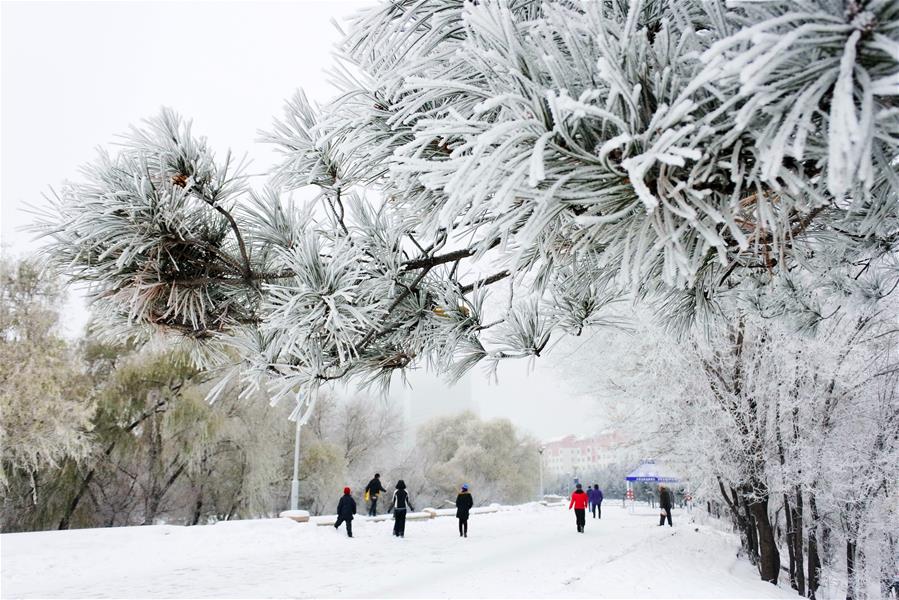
(527, 551)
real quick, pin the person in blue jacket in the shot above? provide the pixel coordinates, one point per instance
(595, 495)
(346, 508)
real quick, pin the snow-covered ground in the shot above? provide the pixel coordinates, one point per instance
(528, 551)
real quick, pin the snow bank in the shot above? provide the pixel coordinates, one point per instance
(528, 551)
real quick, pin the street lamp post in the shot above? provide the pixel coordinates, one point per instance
(542, 448)
(295, 482)
(302, 412)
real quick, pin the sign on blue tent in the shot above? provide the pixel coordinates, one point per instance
(651, 472)
(648, 472)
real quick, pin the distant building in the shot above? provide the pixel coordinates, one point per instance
(427, 396)
(571, 455)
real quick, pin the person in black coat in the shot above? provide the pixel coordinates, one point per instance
(464, 502)
(374, 488)
(596, 502)
(665, 505)
(346, 508)
(400, 505)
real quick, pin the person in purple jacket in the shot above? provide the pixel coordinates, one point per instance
(595, 497)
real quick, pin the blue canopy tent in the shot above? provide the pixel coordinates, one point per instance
(648, 472)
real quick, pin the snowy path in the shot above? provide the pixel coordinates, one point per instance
(528, 552)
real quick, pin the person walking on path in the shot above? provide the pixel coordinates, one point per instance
(400, 504)
(579, 503)
(346, 508)
(464, 502)
(664, 505)
(595, 496)
(372, 490)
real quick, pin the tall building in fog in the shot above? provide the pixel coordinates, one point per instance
(427, 396)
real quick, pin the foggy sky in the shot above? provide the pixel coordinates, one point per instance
(74, 75)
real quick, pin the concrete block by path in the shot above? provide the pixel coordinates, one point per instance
(300, 516)
(332, 519)
(378, 518)
(419, 516)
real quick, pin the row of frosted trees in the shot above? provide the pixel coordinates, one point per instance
(793, 437)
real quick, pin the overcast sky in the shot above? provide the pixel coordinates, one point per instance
(75, 74)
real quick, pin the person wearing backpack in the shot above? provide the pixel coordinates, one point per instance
(579, 503)
(346, 508)
(464, 502)
(400, 505)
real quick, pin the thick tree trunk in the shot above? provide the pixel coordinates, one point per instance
(198, 506)
(887, 576)
(826, 553)
(751, 532)
(791, 543)
(154, 469)
(850, 569)
(798, 519)
(741, 521)
(198, 509)
(814, 562)
(66, 520)
(769, 557)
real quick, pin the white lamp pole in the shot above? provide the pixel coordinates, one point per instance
(541, 471)
(295, 482)
(302, 414)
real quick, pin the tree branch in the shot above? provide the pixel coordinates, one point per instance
(433, 261)
(485, 281)
(440, 259)
(247, 270)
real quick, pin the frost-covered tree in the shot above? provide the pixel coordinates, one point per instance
(98, 435)
(324, 475)
(684, 152)
(165, 454)
(795, 434)
(365, 429)
(45, 399)
(499, 463)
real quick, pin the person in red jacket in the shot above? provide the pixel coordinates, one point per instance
(579, 503)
